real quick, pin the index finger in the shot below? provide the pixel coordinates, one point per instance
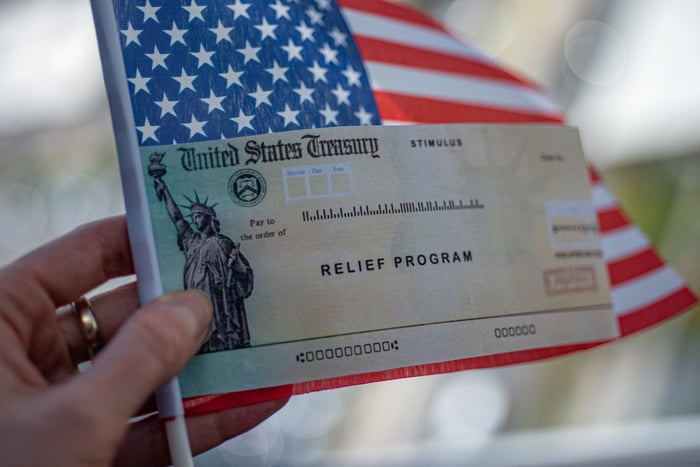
(77, 262)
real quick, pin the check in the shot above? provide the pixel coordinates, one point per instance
(341, 251)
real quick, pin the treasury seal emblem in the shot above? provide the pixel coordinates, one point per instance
(247, 187)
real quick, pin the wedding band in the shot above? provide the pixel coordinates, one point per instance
(82, 309)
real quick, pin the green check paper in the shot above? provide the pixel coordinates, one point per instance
(340, 251)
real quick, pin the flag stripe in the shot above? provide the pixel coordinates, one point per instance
(408, 34)
(437, 79)
(645, 290)
(593, 174)
(216, 402)
(660, 310)
(397, 108)
(206, 404)
(455, 88)
(390, 10)
(486, 361)
(602, 199)
(376, 50)
(611, 219)
(631, 267)
(623, 242)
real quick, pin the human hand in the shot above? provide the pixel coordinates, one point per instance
(50, 414)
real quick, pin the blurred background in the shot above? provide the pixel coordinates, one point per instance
(625, 72)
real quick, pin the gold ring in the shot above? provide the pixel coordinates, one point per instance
(82, 309)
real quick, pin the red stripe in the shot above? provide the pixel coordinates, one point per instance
(399, 107)
(611, 219)
(206, 404)
(669, 306)
(593, 174)
(634, 266)
(389, 52)
(217, 402)
(392, 12)
(487, 361)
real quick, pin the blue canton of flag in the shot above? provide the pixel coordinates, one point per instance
(223, 69)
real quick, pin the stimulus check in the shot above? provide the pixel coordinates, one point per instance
(343, 251)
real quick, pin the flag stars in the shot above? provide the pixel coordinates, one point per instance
(352, 76)
(195, 11)
(239, 9)
(148, 131)
(158, 58)
(339, 37)
(244, 121)
(166, 106)
(140, 83)
(260, 96)
(288, 71)
(293, 51)
(288, 115)
(306, 32)
(341, 94)
(266, 29)
(131, 34)
(278, 72)
(329, 54)
(363, 116)
(214, 102)
(186, 81)
(203, 57)
(149, 11)
(281, 11)
(315, 16)
(196, 127)
(305, 94)
(232, 77)
(222, 32)
(249, 52)
(319, 72)
(331, 116)
(176, 35)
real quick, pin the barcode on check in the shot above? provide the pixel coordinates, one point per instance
(384, 209)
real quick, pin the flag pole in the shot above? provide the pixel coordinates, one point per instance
(169, 399)
(172, 414)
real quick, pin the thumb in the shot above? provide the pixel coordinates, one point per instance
(152, 346)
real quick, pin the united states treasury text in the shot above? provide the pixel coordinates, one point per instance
(258, 152)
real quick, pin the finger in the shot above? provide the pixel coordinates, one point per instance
(111, 310)
(152, 346)
(66, 268)
(147, 444)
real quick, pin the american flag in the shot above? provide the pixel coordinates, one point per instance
(211, 69)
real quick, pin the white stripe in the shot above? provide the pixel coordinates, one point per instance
(398, 122)
(623, 242)
(455, 88)
(409, 34)
(645, 290)
(602, 199)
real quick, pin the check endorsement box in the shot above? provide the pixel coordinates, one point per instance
(343, 251)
